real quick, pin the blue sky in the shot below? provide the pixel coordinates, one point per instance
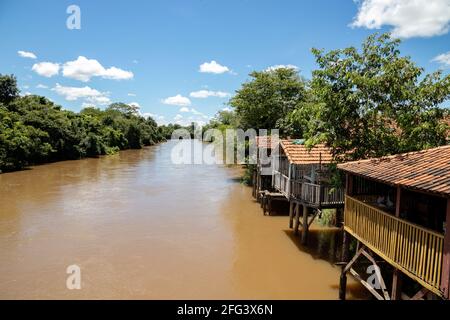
(152, 52)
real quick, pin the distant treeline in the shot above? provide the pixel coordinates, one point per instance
(34, 130)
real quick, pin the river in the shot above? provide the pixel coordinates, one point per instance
(141, 227)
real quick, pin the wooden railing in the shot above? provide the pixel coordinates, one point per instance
(310, 193)
(281, 183)
(415, 250)
(330, 195)
(321, 194)
(296, 188)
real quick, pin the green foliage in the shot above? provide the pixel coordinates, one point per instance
(35, 130)
(375, 102)
(8, 88)
(268, 97)
(166, 130)
(247, 177)
(328, 217)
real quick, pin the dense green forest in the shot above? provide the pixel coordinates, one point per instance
(34, 130)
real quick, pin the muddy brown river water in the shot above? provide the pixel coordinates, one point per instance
(140, 227)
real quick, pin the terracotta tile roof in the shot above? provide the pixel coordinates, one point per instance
(300, 154)
(426, 170)
(263, 142)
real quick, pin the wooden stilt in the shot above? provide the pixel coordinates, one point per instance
(264, 203)
(342, 286)
(297, 218)
(305, 226)
(254, 184)
(344, 258)
(396, 285)
(291, 213)
(270, 205)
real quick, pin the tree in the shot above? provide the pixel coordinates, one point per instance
(35, 130)
(126, 109)
(268, 97)
(375, 102)
(8, 89)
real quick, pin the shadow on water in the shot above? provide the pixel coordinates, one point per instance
(280, 208)
(325, 244)
(236, 179)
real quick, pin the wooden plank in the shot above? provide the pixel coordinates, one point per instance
(378, 274)
(420, 294)
(355, 257)
(365, 284)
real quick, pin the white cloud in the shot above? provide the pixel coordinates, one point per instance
(281, 66)
(409, 18)
(206, 93)
(101, 100)
(84, 69)
(87, 105)
(184, 109)
(46, 69)
(117, 74)
(443, 59)
(158, 118)
(227, 109)
(27, 54)
(91, 96)
(42, 86)
(213, 67)
(132, 95)
(178, 117)
(198, 113)
(135, 105)
(177, 100)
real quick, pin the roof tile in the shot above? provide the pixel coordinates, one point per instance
(426, 170)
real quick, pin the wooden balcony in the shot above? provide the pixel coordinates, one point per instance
(415, 250)
(281, 183)
(313, 194)
(321, 195)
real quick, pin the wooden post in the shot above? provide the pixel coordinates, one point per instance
(270, 205)
(349, 183)
(344, 258)
(254, 184)
(345, 246)
(288, 191)
(291, 213)
(305, 225)
(345, 243)
(396, 293)
(445, 282)
(297, 218)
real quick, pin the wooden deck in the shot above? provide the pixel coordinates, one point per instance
(312, 194)
(416, 251)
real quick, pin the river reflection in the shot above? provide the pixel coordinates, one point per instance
(141, 227)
